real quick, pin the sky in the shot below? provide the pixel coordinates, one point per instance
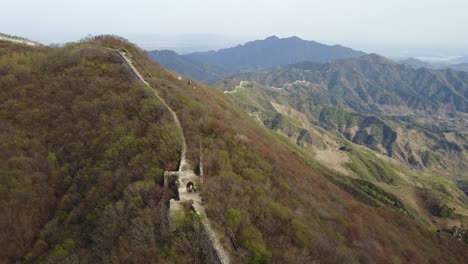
(386, 26)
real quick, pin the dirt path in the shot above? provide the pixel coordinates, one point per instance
(185, 175)
(183, 161)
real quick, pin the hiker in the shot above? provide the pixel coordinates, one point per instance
(195, 188)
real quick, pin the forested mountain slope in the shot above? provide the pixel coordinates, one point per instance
(369, 118)
(84, 146)
(373, 83)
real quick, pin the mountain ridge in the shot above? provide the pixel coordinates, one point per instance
(251, 56)
(285, 50)
(374, 73)
(189, 67)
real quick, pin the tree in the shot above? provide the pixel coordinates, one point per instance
(252, 241)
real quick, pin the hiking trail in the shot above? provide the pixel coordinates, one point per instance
(185, 175)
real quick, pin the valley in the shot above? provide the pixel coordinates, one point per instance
(342, 121)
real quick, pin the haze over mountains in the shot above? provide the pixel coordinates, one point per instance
(252, 56)
(459, 64)
(212, 66)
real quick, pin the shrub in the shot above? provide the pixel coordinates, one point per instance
(445, 212)
(233, 217)
(278, 210)
(301, 233)
(252, 241)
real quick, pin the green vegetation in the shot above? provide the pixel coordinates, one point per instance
(233, 217)
(252, 241)
(189, 239)
(379, 194)
(444, 211)
(371, 131)
(368, 166)
(429, 158)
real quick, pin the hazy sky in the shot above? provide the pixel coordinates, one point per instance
(366, 24)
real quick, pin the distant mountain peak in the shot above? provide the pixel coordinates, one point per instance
(275, 38)
(253, 56)
(165, 51)
(294, 38)
(273, 52)
(376, 58)
(272, 38)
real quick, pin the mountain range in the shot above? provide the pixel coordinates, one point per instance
(370, 100)
(374, 83)
(256, 55)
(212, 66)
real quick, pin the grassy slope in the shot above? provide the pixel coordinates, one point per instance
(97, 192)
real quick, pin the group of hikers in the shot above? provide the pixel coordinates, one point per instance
(192, 188)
